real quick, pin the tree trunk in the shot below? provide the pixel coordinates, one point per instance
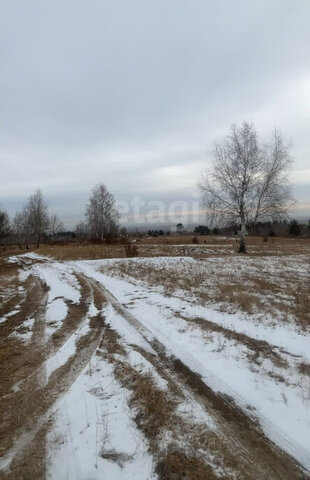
(242, 246)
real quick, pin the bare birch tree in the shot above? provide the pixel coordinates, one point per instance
(21, 227)
(38, 216)
(33, 220)
(101, 214)
(247, 182)
(81, 231)
(55, 225)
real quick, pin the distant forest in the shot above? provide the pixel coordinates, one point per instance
(33, 224)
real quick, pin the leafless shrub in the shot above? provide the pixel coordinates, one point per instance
(131, 250)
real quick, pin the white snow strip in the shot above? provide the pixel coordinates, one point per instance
(59, 279)
(127, 332)
(56, 310)
(62, 286)
(94, 435)
(66, 351)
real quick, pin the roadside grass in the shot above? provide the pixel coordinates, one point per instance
(168, 245)
(7, 250)
(18, 359)
(10, 296)
(153, 406)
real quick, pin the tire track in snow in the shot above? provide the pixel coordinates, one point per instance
(260, 457)
(40, 413)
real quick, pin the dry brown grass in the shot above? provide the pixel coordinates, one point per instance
(82, 252)
(154, 407)
(33, 464)
(177, 465)
(21, 364)
(18, 361)
(10, 297)
(7, 250)
(21, 410)
(168, 245)
(304, 368)
(277, 286)
(25, 303)
(156, 414)
(302, 304)
(256, 346)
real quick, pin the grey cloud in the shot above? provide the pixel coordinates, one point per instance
(117, 91)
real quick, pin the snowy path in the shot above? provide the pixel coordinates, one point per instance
(283, 410)
(256, 411)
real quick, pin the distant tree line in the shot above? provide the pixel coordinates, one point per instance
(272, 229)
(33, 224)
(156, 233)
(205, 230)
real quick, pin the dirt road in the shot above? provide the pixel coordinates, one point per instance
(86, 370)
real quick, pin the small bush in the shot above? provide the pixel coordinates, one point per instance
(195, 240)
(131, 250)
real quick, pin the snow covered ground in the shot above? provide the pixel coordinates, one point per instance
(93, 425)
(278, 397)
(257, 360)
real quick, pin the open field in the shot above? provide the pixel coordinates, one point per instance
(171, 245)
(187, 362)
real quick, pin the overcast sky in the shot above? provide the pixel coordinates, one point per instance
(134, 93)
